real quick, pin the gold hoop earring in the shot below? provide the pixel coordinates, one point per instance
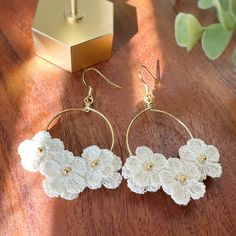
(181, 178)
(68, 175)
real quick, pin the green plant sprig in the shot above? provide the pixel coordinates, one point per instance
(214, 38)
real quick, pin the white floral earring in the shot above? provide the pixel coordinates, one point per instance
(181, 178)
(68, 175)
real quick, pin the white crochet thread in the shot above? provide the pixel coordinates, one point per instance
(181, 181)
(182, 178)
(68, 175)
(65, 175)
(206, 157)
(102, 167)
(142, 170)
(41, 146)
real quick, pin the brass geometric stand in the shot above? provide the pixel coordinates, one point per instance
(73, 37)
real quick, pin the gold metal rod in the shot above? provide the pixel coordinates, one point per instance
(101, 74)
(73, 7)
(73, 14)
(152, 110)
(84, 110)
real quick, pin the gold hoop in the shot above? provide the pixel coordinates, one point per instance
(154, 110)
(87, 109)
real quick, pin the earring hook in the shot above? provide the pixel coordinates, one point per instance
(89, 99)
(148, 97)
(100, 73)
(147, 89)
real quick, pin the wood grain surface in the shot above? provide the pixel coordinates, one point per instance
(200, 92)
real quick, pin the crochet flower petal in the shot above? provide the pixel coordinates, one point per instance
(133, 164)
(125, 172)
(155, 179)
(167, 178)
(53, 186)
(117, 164)
(31, 164)
(212, 153)
(29, 158)
(55, 144)
(134, 188)
(159, 161)
(75, 185)
(152, 188)
(142, 171)
(91, 153)
(213, 170)
(106, 155)
(106, 158)
(202, 171)
(197, 145)
(79, 166)
(187, 154)
(113, 182)
(41, 137)
(64, 158)
(179, 194)
(69, 196)
(106, 171)
(191, 171)
(144, 153)
(142, 179)
(26, 148)
(51, 168)
(93, 180)
(166, 190)
(38, 149)
(102, 167)
(175, 165)
(48, 190)
(196, 189)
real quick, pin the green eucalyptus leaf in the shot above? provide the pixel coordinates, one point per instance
(194, 31)
(187, 30)
(234, 56)
(223, 14)
(181, 30)
(224, 4)
(205, 4)
(232, 8)
(215, 39)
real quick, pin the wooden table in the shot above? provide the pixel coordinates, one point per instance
(200, 92)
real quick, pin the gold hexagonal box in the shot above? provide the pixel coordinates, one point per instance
(73, 45)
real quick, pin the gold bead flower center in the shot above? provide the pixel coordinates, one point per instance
(66, 171)
(202, 159)
(95, 163)
(41, 151)
(149, 166)
(182, 179)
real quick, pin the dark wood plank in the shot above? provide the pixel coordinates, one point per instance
(198, 91)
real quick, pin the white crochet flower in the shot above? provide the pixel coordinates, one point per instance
(205, 156)
(102, 167)
(65, 175)
(142, 170)
(33, 152)
(180, 180)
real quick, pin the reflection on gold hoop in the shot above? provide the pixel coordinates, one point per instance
(149, 103)
(88, 102)
(154, 110)
(84, 110)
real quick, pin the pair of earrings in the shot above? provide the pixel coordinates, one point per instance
(67, 175)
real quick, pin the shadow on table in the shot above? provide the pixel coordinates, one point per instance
(125, 23)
